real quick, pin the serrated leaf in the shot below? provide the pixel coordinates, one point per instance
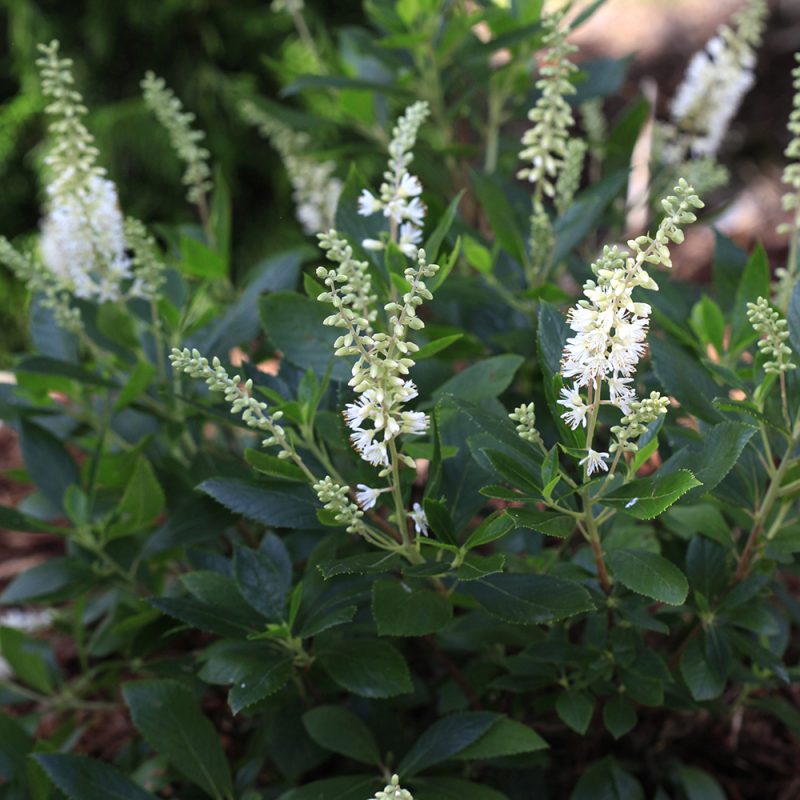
(529, 599)
(546, 522)
(649, 574)
(82, 778)
(278, 505)
(361, 564)
(646, 498)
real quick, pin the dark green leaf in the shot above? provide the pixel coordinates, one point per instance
(65, 575)
(754, 283)
(576, 710)
(445, 739)
(649, 574)
(545, 522)
(436, 346)
(264, 577)
(279, 505)
(606, 780)
(82, 778)
(487, 379)
(341, 731)
(683, 377)
(646, 498)
(49, 464)
(366, 667)
(506, 737)
(434, 241)
(345, 787)
(402, 611)
(294, 325)
(27, 659)
(274, 467)
(167, 715)
(201, 261)
(699, 785)
(529, 599)
(501, 215)
(619, 716)
(704, 682)
(361, 564)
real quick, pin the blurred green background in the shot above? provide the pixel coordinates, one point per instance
(210, 52)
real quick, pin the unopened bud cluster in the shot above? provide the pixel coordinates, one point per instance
(774, 333)
(393, 791)
(315, 190)
(546, 144)
(237, 394)
(185, 140)
(640, 414)
(399, 194)
(525, 417)
(335, 498)
(383, 359)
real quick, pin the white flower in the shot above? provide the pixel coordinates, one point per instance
(594, 461)
(372, 244)
(82, 240)
(621, 394)
(367, 497)
(572, 400)
(417, 515)
(399, 192)
(410, 238)
(368, 204)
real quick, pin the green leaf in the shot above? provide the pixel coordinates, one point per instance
(50, 466)
(68, 576)
(402, 611)
(793, 319)
(492, 528)
(713, 456)
(477, 255)
(552, 332)
(699, 785)
(43, 365)
(619, 716)
(26, 658)
(16, 746)
(649, 574)
(436, 346)
(341, 731)
(529, 599)
(474, 566)
(138, 381)
(606, 780)
(201, 261)
(278, 505)
(366, 667)
(253, 669)
(708, 323)
(514, 473)
(704, 682)
(501, 215)
(575, 709)
(82, 778)
(445, 739)
(439, 520)
(206, 617)
(545, 522)
(274, 467)
(487, 379)
(264, 576)
(434, 241)
(448, 788)
(646, 498)
(294, 325)
(506, 737)
(167, 715)
(342, 82)
(361, 564)
(754, 283)
(683, 377)
(142, 501)
(345, 787)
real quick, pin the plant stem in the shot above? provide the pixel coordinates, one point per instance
(593, 535)
(773, 493)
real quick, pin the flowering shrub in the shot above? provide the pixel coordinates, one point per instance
(383, 514)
